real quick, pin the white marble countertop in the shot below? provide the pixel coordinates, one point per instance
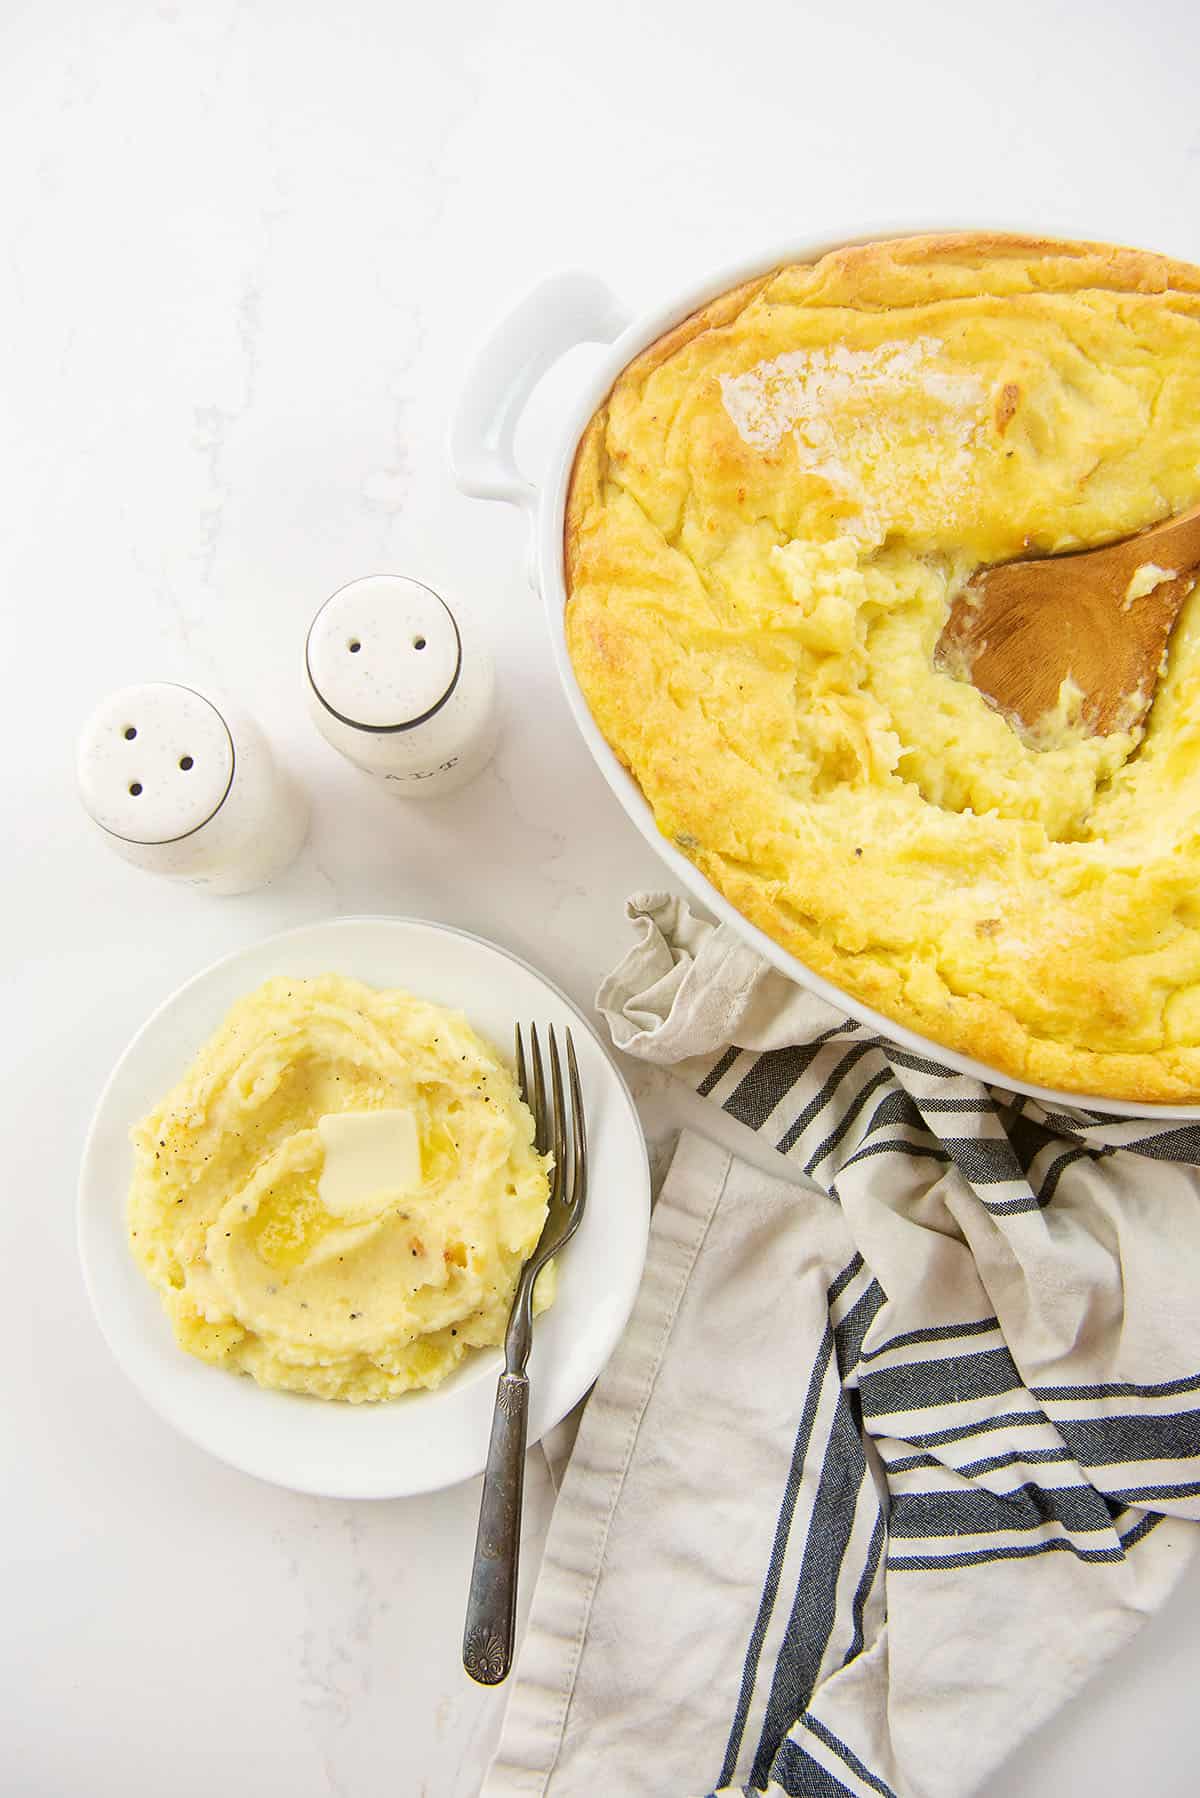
(245, 246)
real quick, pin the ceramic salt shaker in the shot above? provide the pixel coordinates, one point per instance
(185, 785)
(397, 686)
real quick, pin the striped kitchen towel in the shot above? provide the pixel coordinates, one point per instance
(870, 1487)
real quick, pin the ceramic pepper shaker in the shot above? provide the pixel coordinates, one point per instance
(184, 785)
(398, 687)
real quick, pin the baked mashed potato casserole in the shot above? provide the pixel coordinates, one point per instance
(339, 1194)
(767, 521)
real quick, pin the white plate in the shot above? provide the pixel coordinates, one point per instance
(421, 1441)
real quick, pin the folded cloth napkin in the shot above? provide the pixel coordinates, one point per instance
(871, 1487)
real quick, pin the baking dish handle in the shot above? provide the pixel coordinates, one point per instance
(563, 310)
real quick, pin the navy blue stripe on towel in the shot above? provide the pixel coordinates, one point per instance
(979, 1512)
(1108, 1441)
(814, 1606)
(803, 1777)
(815, 1107)
(874, 1556)
(769, 1080)
(933, 1333)
(918, 1385)
(783, 1529)
(838, 1747)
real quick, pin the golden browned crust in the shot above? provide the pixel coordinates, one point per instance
(588, 469)
(750, 610)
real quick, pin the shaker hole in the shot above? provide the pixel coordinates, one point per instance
(186, 762)
(130, 733)
(135, 787)
(354, 646)
(418, 642)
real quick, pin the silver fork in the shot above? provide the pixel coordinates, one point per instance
(492, 1601)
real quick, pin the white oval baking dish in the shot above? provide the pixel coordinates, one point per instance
(573, 308)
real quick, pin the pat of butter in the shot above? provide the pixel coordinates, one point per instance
(369, 1157)
(1145, 580)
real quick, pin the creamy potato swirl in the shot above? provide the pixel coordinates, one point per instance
(375, 1297)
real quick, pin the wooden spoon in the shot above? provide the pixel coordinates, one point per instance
(1017, 630)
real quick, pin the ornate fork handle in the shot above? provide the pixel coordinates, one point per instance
(492, 1601)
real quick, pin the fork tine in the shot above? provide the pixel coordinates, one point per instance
(522, 1082)
(537, 1093)
(559, 1139)
(578, 1196)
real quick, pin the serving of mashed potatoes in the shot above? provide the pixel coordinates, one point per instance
(338, 1196)
(767, 522)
